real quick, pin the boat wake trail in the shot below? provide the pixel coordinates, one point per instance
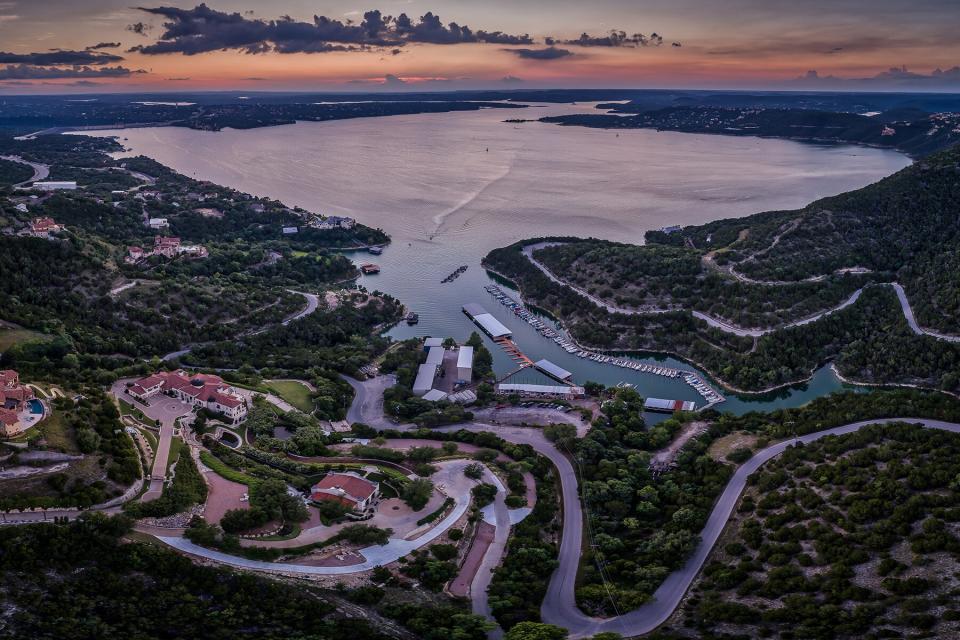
(440, 218)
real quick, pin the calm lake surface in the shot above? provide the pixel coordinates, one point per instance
(448, 188)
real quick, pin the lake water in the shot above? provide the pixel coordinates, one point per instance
(450, 187)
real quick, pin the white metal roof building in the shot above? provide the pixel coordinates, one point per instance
(552, 370)
(432, 342)
(435, 356)
(493, 327)
(542, 390)
(659, 404)
(424, 382)
(434, 395)
(465, 364)
(463, 397)
(55, 185)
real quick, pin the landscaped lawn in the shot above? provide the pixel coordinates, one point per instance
(293, 392)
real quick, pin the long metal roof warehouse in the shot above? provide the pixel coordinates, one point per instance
(540, 389)
(424, 382)
(493, 327)
(552, 370)
(659, 404)
(435, 356)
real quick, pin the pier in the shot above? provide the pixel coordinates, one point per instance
(706, 391)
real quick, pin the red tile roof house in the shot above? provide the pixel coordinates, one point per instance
(200, 390)
(168, 246)
(348, 489)
(13, 401)
(44, 226)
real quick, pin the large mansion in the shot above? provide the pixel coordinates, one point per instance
(202, 390)
(348, 489)
(168, 247)
(15, 407)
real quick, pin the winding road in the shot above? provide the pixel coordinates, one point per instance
(40, 171)
(559, 606)
(716, 323)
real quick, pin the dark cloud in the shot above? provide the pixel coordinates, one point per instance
(103, 45)
(511, 80)
(550, 53)
(675, 44)
(182, 79)
(391, 80)
(613, 39)
(59, 57)
(202, 29)
(139, 28)
(30, 72)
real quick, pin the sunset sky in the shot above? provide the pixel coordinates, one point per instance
(108, 45)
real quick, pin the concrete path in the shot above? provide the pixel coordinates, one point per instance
(166, 410)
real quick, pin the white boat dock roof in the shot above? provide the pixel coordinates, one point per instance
(540, 388)
(552, 370)
(432, 342)
(493, 327)
(465, 357)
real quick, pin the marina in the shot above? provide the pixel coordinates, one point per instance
(489, 200)
(707, 392)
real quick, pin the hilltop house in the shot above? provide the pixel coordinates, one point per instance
(167, 246)
(202, 390)
(334, 222)
(15, 406)
(348, 489)
(43, 227)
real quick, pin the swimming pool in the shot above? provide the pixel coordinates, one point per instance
(35, 406)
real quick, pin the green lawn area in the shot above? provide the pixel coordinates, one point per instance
(221, 469)
(10, 336)
(176, 447)
(127, 409)
(293, 392)
(151, 438)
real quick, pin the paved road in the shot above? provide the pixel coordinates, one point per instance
(457, 486)
(559, 606)
(727, 327)
(40, 171)
(912, 321)
(312, 303)
(367, 406)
